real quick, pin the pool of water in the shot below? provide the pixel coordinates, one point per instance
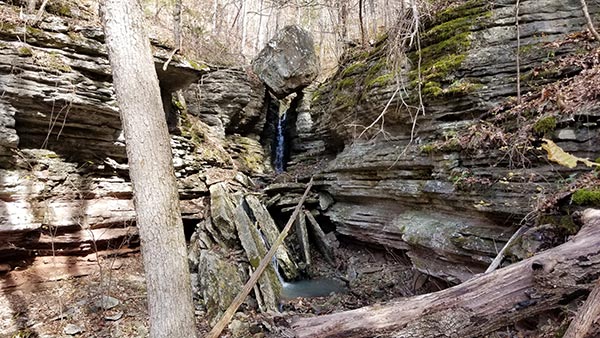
(312, 288)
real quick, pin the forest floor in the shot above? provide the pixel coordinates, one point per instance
(49, 309)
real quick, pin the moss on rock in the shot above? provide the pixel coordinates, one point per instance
(545, 125)
(24, 51)
(447, 44)
(589, 197)
(51, 61)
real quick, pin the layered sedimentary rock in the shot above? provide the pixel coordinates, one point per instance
(230, 100)
(64, 186)
(451, 182)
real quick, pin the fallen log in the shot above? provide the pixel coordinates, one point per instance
(481, 305)
(587, 322)
(320, 239)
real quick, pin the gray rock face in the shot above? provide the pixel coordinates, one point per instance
(255, 248)
(271, 233)
(8, 135)
(235, 226)
(222, 211)
(230, 101)
(393, 191)
(220, 281)
(288, 63)
(73, 329)
(60, 86)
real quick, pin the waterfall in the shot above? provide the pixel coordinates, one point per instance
(280, 145)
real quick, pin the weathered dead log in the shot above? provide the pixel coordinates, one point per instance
(482, 304)
(302, 236)
(587, 322)
(320, 239)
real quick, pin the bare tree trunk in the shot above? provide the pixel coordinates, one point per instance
(177, 24)
(481, 305)
(518, 28)
(244, 30)
(363, 39)
(373, 8)
(321, 36)
(342, 7)
(170, 307)
(214, 18)
(258, 44)
(31, 5)
(386, 14)
(298, 13)
(277, 19)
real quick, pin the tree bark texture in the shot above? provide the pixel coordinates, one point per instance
(342, 7)
(481, 305)
(363, 38)
(588, 18)
(177, 24)
(171, 312)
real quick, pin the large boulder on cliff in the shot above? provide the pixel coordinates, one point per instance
(288, 62)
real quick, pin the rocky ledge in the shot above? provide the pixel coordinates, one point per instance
(451, 180)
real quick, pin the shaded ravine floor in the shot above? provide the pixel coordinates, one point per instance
(45, 309)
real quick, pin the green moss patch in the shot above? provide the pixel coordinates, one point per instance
(354, 68)
(447, 44)
(24, 51)
(60, 8)
(467, 9)
(545, 125)
(51, 61)
(381, 80)
(589, 197)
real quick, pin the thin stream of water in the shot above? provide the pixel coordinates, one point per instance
(280, 145)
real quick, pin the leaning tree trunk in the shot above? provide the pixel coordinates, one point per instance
(171, 312)
(480, 305)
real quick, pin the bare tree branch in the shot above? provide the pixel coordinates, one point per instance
(590, 24)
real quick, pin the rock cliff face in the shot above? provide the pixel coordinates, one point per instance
(64, 187)
(449, 187)
(455, 191)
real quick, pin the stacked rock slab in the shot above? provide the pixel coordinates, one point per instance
(64, 185)
(230, 245)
